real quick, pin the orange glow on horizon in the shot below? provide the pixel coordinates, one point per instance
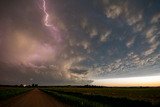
(129, 82)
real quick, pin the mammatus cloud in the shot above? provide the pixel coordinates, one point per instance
(129, 65)
(116, 9)
(152, 35)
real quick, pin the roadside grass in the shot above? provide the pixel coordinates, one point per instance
(74, 100)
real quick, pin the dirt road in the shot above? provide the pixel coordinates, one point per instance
(34, 98)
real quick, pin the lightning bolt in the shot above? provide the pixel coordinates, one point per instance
(46, 19)
(53, 30)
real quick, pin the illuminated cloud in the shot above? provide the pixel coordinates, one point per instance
(155, 18)
(152, 49)
(84, 23)
(113, 11)
(93, 32)
(151, 32)
(138, 27)
(105, 36)
(85, 44)
(134, 19)
(130, 42)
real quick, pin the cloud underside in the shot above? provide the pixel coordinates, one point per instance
(82, 40)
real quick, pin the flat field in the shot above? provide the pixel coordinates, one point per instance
(107, 96)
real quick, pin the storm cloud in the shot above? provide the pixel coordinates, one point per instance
(63, 42)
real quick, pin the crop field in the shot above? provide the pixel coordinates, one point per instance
(7, 92)
(93, 96)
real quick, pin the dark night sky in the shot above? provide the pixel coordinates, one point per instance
(59, 42)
